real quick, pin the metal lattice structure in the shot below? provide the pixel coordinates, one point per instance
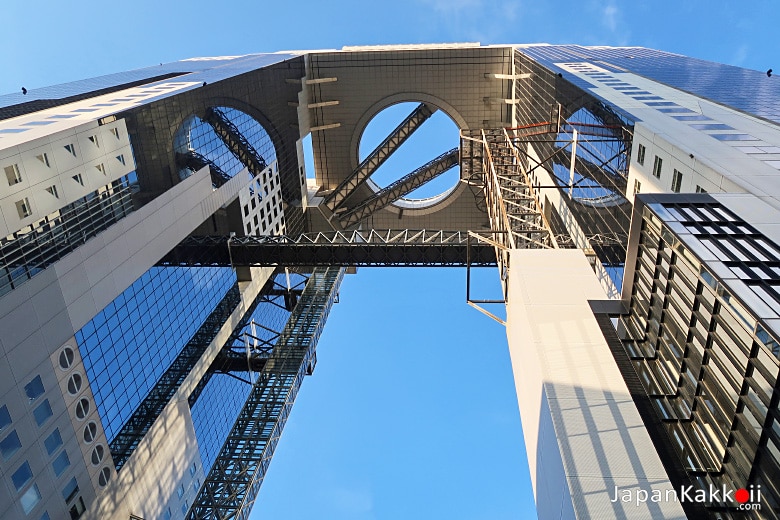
(400, 188)
(232, 484)
(380, 154)
(371, 248)
(195, 161)
(134, 430)
(235, 141)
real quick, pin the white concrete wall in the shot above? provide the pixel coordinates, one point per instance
(582, 432)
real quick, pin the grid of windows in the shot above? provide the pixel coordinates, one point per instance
(128, 345)
(217, 402)
(33, 248)
(710, 366)
(739, 88)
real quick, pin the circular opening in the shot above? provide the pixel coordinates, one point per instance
(82, 408)
(90, 432)
(104, 477)
(196, 138)
(66, 358)
(433, 138)
(97, 454)
(74, 384)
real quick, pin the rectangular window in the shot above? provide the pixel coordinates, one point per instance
(43, 412)
(22, 476)
(637, 186)
(30, 498)
(640, 155)
(53, 190)
(657, 167)
(12, 174)
(5, 417)
(676, 181)
(10, 445)
(34, 389)
(44, 158)
(699, 189)
(61, 463)
(24, 208)
(71, 149)
(70, 490)
(53, 441)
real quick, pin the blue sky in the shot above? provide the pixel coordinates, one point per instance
(411, 411)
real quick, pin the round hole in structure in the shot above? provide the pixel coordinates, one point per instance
(436, 136)
(196, 144)
(97, 454)
(104, 477)
(74, 384)
(90, 432)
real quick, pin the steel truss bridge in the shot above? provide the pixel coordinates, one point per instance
(495, 162)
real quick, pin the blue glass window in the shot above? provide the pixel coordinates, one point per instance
(42, 412)
(30, 499)
(10, 445)
(129, 344)
(22, 476)
(70, 490)
(34, 389)
(61, 463)
(5, 417)
(53, 441)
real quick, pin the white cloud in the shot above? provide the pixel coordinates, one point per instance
(610, 17)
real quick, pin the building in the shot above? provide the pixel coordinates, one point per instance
(168, 268)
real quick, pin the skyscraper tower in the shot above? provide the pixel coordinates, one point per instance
(167, 268)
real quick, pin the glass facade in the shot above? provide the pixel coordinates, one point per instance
(33, 248)
(128, 345)
(223, 391)
(708, 363)
(742, 89)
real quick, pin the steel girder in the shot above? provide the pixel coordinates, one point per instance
(399, 188)
(232, 484)
(380, 154)
(235, 141)
(195, 161)
(342, 248)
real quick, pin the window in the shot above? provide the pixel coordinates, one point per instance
(71, 149)
(193, 469)
(637, 186)
(12, 174)
(676, 181)
(74, 384)
(78, 178)
(61, 463)
(70, 490)
(101, 168)
(43, 412)
(77, 509)
(167, 515)
(67, 355)
(94, 140)
(23, 208)
(657, 166)
(640, 154)
(34, 389)
(30, 498)
(97, 454)
(115, 131)
(10, 445)
(104, 477)
(699, 189)
(44, 158)
(53, 441)
(120, 158)
(22, 476)
(90, 432)
(5, 417)
(82, 408)
(180, 491)
(53, 190)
